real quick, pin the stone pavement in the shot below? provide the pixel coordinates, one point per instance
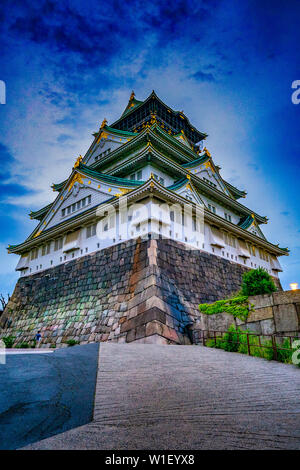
(187, 397)
(45, 394)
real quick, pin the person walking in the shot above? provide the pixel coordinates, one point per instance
(38, 338)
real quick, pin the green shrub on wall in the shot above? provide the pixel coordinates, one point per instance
(237, 306)
(8, 341)
(256, 282)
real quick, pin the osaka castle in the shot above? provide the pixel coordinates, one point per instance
(147, 177)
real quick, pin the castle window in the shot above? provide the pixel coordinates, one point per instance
(34, 254)
(139, 175)
(46, 249)
(263, 255)
(76, 205)
(227, 216)
(58, 243)
(251, 249)
(211, 208)
(91, 231)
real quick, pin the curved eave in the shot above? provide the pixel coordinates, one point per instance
(246, 222)
(237, 193)
(153, 187)
(129, 107)
(196, 162)
(38, 215)
(111, 130)
(172, 145)
(199, 183)
(107, 178)
(88, 172)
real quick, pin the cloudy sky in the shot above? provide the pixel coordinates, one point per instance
(228, 64)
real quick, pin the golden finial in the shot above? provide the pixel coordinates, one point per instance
(206, 151)
(104, 122)
(151, 176)
(132, 96)
(78, 161)
(188, 176)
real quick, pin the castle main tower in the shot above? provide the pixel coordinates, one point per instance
(142, 230)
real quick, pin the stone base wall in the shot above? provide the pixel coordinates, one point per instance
(277, 313)
(142, 291)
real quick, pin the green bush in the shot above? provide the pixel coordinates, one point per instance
(255, 349)
(72, 342)
(256, 282)
(285, 355)
(24, 345)
(236, 306)
(8, 341)
(217, 343)
(231, 338)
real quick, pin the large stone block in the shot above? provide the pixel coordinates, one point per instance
(260, 301)
(268, 327)
(286, 318)
(261, 314)
(254, 327)
(286, 297)
(220, 321)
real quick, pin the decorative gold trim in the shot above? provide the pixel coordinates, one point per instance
(76, 178)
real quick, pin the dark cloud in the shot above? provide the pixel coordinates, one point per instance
(203, 76)
(8, 167)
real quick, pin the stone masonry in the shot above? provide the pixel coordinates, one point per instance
(277, 313)
(144, 291)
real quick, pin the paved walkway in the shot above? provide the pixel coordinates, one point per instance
(45, 394)
(187, 397)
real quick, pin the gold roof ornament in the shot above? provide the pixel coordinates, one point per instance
(132, 96)
(37, 234)
(122, 192)
(78, 161)
(188, 176)
(77, 178)
(104, 122)
(207, 152)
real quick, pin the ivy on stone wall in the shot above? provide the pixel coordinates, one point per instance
(237, 306)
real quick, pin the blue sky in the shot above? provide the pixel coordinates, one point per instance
(228, 64)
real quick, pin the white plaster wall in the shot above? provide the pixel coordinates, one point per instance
(139, 225)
